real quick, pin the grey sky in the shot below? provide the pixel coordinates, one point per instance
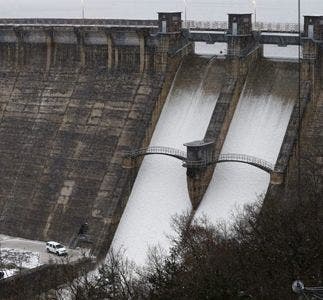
(267, 10)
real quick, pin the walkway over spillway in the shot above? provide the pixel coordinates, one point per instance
(247, 159)
(179, 154)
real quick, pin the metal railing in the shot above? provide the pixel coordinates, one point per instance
(276, 27)
(158, 150)
(241, 52)
(234, 157)
(206, 25)
(309, 56)
(230, 157)
(312, 292)
(179, 154)
(259, 26)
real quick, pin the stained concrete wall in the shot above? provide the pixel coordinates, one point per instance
(302, 149)
(72, 101)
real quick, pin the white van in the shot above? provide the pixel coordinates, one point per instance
(56, 248)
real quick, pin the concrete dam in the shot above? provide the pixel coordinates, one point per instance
(78, 96)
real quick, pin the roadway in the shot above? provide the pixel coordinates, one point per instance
(38, 248)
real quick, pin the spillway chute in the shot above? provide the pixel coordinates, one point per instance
(160, 190)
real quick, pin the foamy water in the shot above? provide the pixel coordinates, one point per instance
(257, 129)
(160, 189)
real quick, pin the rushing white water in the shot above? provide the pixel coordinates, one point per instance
(258, 128)
(160, 190)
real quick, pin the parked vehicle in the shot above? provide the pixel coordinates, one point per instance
(56, 248)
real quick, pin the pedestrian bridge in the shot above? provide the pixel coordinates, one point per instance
(181, 155)
(247, 159)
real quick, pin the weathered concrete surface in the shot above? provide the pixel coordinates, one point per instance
(310, 159)
(71, 103)
(303, 152)
(60, 137)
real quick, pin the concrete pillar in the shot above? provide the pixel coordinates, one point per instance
(243, 49)
(54, 49)
(80, 40)
(200, 168)
(169, 38)
(19, 47)
(169, 22)
(116, 57)
(240, 37)
(276, 178)
(313, 30)
(110, 51)
(129, 163)
(161, 53)
(49, 53)
(142, 52)
(309, 49)
(310, 66)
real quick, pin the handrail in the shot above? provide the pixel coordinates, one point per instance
(258, 26)
(309, 56)
(234, 157)
(247, 159)
(158, 150)
(179, 154)
(242, 53)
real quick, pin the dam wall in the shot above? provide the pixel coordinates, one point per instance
(300, 161)
(76, 95)
(72, 100)
(302, 147)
